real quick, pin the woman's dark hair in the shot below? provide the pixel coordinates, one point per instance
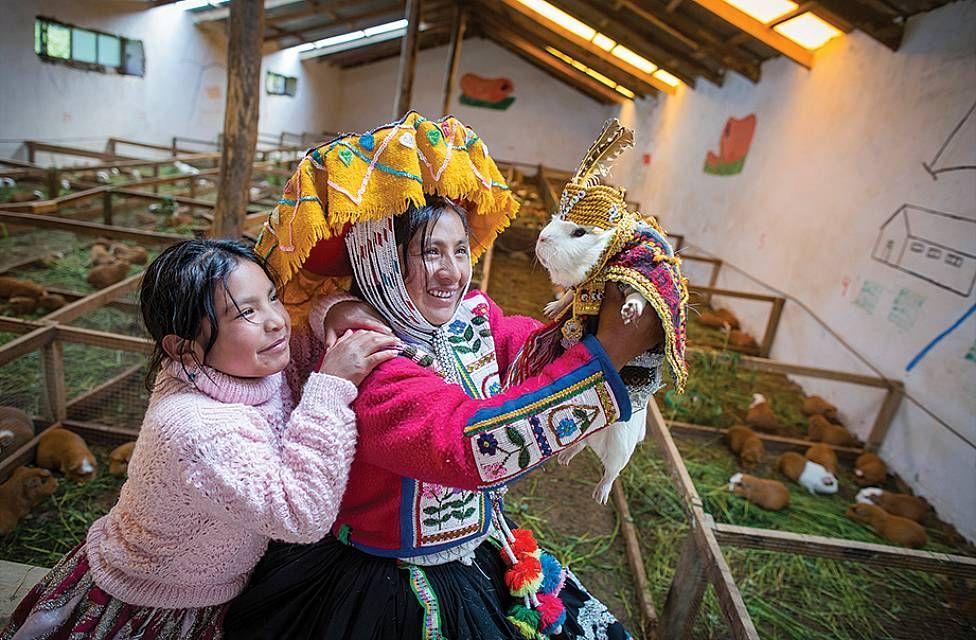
(177, 292)
(422, 220)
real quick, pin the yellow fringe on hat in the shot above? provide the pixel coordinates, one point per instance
(381, 173)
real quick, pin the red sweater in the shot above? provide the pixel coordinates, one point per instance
(428, 450)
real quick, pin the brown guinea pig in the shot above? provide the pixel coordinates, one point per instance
(745, 442)
(729, 318)
(26, 488)
(14, 287)
(100, 255)
(132, 255)
(771, 495)
(761, 415)
(712, 320)
(817, 406)
(898, 504)
(869, 469)
(742, 340)
(823, 455)
(118, 460)
(66, 451)
(896, 529)
(105, 275)
(823, 430)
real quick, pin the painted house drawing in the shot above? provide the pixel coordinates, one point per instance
(932, 245)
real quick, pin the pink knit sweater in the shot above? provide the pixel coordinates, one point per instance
(218, 469)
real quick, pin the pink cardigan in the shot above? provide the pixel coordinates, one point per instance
(218, 469)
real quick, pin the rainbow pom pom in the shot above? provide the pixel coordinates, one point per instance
(524, 577)
(552, 613)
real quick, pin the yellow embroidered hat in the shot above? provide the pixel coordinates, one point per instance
(381, 173)
(584, 199)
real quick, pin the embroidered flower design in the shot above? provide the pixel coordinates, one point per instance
(457, 327)
(480, 310)
(487, 444)
(430, 490)
(494, 388)
(566, 427)
(496, 470)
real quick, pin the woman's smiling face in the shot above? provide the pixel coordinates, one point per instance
(437, 271)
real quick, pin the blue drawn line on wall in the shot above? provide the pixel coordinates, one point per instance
(938, 338)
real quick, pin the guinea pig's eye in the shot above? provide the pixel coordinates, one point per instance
(579, 232)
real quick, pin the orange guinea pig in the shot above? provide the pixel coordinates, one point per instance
(771, 495)
(729, 318)
(899, 504)
(66, 451)
(823, 455)
(486, 89)
(815, 405)
(712, 320)
(25, 489)
(896, 529)
(869, 469)
(118, 460)
(745, 442)
(823, 430)
(761, 415)
(104, 275)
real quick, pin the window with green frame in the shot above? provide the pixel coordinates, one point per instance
(87, 49)
(277, 84)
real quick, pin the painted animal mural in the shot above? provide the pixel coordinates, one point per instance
(732, 148)
(488, 93)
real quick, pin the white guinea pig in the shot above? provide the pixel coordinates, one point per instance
(816, 479)
(569, 251)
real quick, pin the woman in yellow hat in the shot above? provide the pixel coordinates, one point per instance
(421, 547)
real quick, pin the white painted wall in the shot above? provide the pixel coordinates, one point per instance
(549, 122)
(836, 151)
(183, 91)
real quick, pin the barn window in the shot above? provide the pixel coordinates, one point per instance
(87, 49)
(280, 85)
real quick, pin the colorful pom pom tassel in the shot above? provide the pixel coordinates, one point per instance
(553, 575)
(524, 577)
(552, 614)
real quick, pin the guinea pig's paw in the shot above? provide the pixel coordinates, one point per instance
(630, 311)
(552, 309)
(566, 455)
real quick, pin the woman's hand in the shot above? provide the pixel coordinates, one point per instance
(356, 353)
(624, 342)
(352, 315)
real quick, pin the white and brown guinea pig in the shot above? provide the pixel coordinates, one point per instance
(899, 504)
(771, 495)
(65, 451)
(16, 429)
(808, 474)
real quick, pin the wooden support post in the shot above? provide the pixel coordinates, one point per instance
(457, 36)
(408, 60)
(31, 151)
(240, 117)
(685, 594)
(52, 371)
(53, 184)
(174, 151)
(193, 187)
(772, 325)
(107, 207)
(155, 170)
(892, 401)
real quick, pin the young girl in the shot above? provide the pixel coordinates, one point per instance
(219, 467)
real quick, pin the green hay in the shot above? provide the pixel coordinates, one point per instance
(788, 596)
(61, 521)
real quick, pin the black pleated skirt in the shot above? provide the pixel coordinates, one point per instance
(331, 591)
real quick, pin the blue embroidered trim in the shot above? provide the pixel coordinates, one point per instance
(379, 165)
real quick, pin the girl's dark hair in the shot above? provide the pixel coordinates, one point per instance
(422, 220)
(177, 292)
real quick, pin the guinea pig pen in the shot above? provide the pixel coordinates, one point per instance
(72, 344)
(683, 557)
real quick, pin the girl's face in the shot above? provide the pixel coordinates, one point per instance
(253, 337)
(439, 273)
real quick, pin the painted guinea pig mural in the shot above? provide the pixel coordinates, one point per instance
(490, 93)
(732, 148)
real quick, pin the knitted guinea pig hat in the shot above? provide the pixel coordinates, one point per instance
(376, 175)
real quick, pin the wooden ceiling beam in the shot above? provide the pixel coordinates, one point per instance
(311, 9)
(550, 65)
(880, 26)
(541, 37)
(600, 16)
(433, 37)
(697, 37)
(759, 31)
(587, 46)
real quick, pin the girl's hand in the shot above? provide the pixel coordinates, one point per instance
(624, 342)
(356, 353)
(352, 315)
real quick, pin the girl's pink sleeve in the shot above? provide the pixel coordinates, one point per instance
(289, 491)
(415, 424)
